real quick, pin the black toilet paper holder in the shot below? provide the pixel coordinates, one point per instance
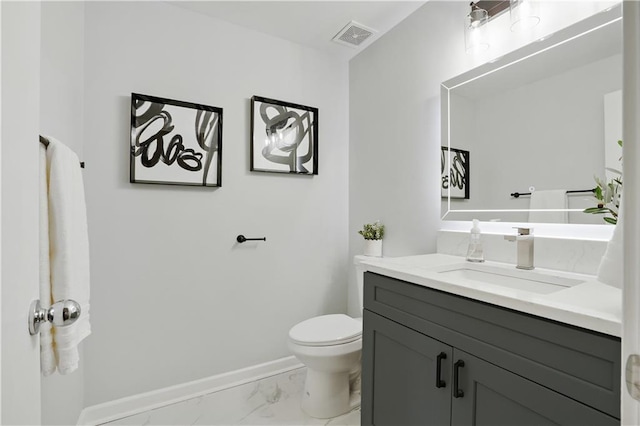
(241, 239)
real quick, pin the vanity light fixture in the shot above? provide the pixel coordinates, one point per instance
(524, 14)
(475, 36)
(475, 28)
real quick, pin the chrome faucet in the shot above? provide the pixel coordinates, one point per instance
(524, 241)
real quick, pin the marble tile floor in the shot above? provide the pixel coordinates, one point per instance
(271, 401)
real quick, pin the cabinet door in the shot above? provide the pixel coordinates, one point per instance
(399, 372)
(493, 396)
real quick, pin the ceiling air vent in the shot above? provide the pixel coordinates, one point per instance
(353, 34)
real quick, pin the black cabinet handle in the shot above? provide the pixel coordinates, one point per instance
(439, 382)
(457, 393)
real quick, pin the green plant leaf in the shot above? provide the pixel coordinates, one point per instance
(372, 231)
(608, 193)
(596, 210)
(598, 193)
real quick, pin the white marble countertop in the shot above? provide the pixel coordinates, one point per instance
(588, 304)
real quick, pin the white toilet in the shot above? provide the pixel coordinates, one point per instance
(330, 347)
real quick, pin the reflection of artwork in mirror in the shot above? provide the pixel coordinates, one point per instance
(455, 183)
(284, 137)
(175, 142)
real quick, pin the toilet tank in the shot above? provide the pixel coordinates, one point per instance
(359, 284)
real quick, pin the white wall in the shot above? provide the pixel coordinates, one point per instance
(62, 72)
(62, 116)
(394, 126)
(612, 133)
(394, 151)
(174, 297)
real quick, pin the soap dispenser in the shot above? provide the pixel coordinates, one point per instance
(475, 252)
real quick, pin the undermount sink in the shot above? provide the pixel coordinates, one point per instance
(532, 281)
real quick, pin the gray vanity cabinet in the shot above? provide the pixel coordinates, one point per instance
(433, 358)
(405, 366)
(495, 396)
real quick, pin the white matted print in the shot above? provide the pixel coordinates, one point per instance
(454, 173)
(284, 137)
(175, 142)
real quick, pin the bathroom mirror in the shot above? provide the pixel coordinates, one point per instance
(545, 117)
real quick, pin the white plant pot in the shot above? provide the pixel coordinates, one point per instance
(373, 248)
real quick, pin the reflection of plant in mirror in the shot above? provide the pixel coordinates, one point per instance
(608, 194)
(372, 231)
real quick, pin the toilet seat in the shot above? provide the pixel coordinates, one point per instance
(326, 330)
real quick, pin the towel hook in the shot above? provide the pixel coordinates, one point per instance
(44, 141)
(61, 314)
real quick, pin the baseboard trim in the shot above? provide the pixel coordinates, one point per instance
(135, 404)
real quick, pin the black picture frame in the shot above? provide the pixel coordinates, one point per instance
(279, 131)
(175, 142)
(454, 182)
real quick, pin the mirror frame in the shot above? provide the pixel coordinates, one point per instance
(586, 26)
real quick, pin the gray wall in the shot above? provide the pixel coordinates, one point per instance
(174, 297)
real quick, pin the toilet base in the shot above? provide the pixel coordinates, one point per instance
(327, 395)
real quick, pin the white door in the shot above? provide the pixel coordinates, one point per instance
(20, 354)
(631, 153)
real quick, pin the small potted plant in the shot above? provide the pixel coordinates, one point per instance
(372, 233)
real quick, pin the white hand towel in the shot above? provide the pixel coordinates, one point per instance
(610, 271)
(47, 357)
(551, 199)
(68, 249)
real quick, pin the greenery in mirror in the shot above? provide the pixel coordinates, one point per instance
(608, 194)
(372, 231)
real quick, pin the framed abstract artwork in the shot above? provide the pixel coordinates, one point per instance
(284, 137)
(175, 142)
(454, 173)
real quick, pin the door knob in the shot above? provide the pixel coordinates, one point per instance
(632, 376)
(60, 314)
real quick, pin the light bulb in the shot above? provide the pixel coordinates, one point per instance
(524, 15)
(475, 37)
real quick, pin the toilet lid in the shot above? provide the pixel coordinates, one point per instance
(326, 330)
